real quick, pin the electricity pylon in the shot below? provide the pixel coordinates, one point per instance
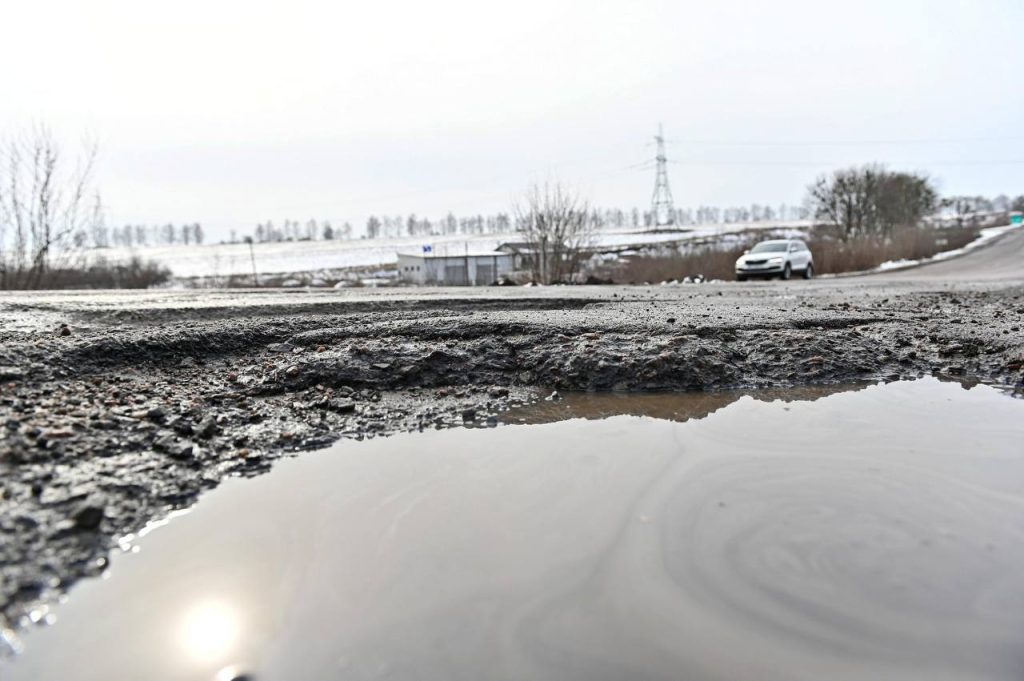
(663, 212)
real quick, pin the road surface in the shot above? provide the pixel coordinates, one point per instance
(1000, 260)
(117, 405)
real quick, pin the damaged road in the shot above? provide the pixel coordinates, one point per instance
(116, 408)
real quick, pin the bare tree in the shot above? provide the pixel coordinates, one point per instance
(871, 201)
(45, 201)
(555, 224)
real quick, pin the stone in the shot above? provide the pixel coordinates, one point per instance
(207, 427)
(11, 373)
(89, 515)
(342, 406)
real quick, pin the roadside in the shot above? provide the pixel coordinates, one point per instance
(833, 257)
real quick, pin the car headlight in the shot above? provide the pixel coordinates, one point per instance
(775, 260)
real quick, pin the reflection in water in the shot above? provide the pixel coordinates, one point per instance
(208, 631)
(875, 534)
(668, 406)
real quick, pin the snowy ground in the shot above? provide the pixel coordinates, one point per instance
(984, 236)
(220, 260)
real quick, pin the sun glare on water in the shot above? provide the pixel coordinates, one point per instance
(209, 631)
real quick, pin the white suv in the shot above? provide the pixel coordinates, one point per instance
(779, 258)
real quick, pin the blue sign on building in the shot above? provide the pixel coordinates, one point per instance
(427, 248)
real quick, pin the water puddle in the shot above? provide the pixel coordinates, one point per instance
(875, 533)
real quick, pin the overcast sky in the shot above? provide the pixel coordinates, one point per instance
(231, 113)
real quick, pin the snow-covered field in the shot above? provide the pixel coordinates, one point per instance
(220, 260)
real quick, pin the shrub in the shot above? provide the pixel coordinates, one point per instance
(101, 273)
(832, 255)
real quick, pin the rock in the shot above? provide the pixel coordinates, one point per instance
(58, 433)
(280, 347)
(11, 373)
(207, 427)
(181, 450)
(498, 392)
(89, 515)
(671, 320)
(553, 397)
(469, 414)
(292, 371)
(156, 414)
(63, 330)
(174, 448)
(181, 426)
(342, 406)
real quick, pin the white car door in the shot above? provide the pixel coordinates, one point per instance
(796, 257)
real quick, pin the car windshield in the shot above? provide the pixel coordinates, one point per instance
(769, 247)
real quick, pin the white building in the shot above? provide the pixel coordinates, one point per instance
(470, 269)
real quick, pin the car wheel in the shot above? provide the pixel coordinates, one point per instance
(809, 272)
(741, 277)
(787, 272)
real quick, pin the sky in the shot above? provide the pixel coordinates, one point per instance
(233, 113)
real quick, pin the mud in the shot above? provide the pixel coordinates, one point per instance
(117, 408)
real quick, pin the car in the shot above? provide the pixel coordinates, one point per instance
(776, 258)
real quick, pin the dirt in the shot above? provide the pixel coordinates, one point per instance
(117, 408)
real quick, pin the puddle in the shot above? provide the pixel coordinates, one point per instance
(876, 533)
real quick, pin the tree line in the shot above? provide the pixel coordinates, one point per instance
(413, 225)
(130, 236)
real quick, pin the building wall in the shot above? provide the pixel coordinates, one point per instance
(472, 270)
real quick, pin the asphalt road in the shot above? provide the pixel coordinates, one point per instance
(1000, 260)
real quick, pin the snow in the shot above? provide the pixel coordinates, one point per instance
(220, 260)
(984, 236)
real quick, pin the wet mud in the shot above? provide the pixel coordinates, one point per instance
(118, 408)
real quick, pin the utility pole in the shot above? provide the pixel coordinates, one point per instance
(663, 211)
(252, 258)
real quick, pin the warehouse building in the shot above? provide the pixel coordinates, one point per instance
(469, 269)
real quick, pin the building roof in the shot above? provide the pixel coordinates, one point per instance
(455, 256)
(516, 247)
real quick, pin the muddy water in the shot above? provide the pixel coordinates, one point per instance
(875, 534)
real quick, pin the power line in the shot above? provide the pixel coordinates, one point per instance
(840, 142)
(959, 162)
